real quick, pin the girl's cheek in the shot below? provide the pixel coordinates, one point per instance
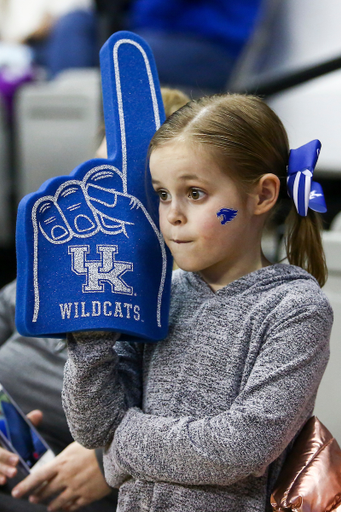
(161, 213)
(163, 225)
(209, 226)
(219, 225)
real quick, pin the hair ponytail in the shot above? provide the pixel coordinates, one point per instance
(304, 244)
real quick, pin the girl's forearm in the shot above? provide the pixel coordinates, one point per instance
(95, 395)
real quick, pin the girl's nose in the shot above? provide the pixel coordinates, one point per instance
(175, 215)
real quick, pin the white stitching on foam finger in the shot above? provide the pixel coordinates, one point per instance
(36, 249)
(124, 150)
(120, 102)
(35, 264)
(54, 200)
(164, 262)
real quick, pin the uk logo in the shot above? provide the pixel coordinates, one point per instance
(99, 271)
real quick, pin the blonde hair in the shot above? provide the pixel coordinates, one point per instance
(173, 99)
(248, 140)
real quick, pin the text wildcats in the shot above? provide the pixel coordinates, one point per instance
(96, 308)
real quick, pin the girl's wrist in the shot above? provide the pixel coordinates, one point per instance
(85, 337)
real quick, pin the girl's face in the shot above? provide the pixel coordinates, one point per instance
(192, 190)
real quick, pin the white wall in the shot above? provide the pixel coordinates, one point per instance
(313, 111)
(57, 126)
(328, 403)
(305, 33)
(291, 35)
(294, 35)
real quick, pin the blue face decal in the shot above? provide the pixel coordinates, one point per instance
(227, 214)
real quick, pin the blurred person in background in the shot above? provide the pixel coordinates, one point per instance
(31, 370)
(60, 34)
(112, 16)
(195, 43)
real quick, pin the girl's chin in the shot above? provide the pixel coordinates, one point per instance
(187, 265)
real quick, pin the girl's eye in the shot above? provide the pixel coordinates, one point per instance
(163, 195)
(196, 194)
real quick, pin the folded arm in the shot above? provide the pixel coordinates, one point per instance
(101, 382)
(222, 449)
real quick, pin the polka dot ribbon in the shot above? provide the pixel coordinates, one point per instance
(305, 192)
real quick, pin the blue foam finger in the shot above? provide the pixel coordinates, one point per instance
(51, 221)
(78, 214)
(89, 249)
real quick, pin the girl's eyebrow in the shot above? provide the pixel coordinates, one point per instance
(189, 177)
(185, 177)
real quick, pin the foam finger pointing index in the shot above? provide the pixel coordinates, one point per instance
(51, 222)
(133, 107)
(76, 210)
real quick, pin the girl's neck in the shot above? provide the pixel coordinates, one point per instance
(220, 277)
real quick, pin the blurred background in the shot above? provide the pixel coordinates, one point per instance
(288, 52)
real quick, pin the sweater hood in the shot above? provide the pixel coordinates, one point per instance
(265, 278)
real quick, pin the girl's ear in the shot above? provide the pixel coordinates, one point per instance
(266, 193)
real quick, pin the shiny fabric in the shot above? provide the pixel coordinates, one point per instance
(310, 480)
(305, 192)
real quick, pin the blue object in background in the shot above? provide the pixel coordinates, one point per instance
(18, 433)
(90, 255)
(195, 44)
(71, 43)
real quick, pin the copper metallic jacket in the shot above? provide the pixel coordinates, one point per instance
(310, 480)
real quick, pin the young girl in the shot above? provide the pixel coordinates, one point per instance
(202, 421)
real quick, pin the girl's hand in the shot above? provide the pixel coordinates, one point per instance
(9, 460)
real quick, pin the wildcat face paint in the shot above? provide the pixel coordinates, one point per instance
(226, 214)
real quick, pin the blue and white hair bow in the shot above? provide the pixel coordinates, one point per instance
(305, 192)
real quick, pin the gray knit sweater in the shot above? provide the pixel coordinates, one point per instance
(200, 421)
